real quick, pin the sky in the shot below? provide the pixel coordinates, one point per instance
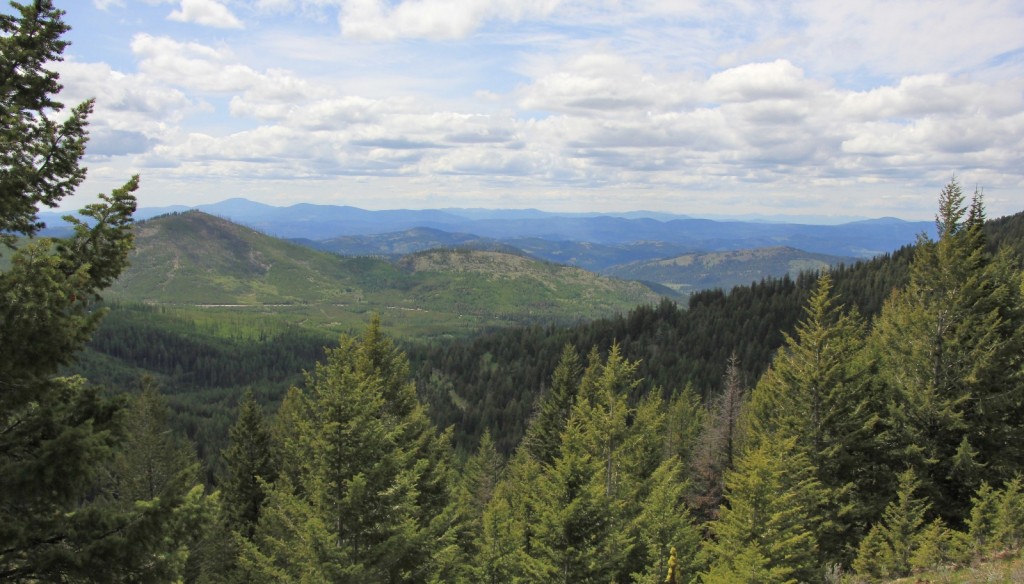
(823, 108)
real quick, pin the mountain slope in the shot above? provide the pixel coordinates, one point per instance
(507, 282)
(198, 259)
(725, 269)
(195, 258)
(392, 244)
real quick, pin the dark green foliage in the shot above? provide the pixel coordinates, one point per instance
(39, 157)
(248, 464)
(62, 518)
(202, 371)
(464, 538)
(544, 437)
(817, 391)
(153, 462)
(1006, 232)
(950, 349)
(156, 468)
(184, 355)
(363, 475)
(609, 505)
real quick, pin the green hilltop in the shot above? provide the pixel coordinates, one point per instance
(194, 260)
(696, 271)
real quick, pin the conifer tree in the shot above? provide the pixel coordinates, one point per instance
(579, 533)
(766, 530)
(718, 444)
(1008, 531)
(361, 506)
(544, 435)
(685, 417)
(667, 539)
(816, 390)
(289, 430)
(602, 414)
(153, 462)
(889, 546)
(154, 467)
(949, 348)
(509, 549)
(248, 464)
(996, 522)
(58, 435)
(585, 499)
(463, 520)
(981, 524)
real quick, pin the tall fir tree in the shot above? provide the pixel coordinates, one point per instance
(360, 508)
(58, 436)
(462, 522)
(950, 349)
(248, 464)
(667, 540)
(544, 435)
(817, 391)
(155, 467)
(249, 469)
(580, 537)
(685, 418)
(509, 550)
(154, 462)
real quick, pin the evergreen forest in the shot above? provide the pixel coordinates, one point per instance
(861, 424)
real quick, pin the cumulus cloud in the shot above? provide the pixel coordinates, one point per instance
(210, 69)
(756, 81)
(206, 13)
(131, 112)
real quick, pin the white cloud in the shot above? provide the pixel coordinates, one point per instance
(433, 19)
(776, 80)
(604, 82)
(124, 103)
(206, 13)
(210, 69)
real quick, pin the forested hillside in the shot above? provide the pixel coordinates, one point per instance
(855, 425)
(491, 382)
(877, 442)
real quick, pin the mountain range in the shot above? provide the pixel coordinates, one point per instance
(319, 223)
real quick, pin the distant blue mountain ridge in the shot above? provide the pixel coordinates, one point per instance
(311, 222)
